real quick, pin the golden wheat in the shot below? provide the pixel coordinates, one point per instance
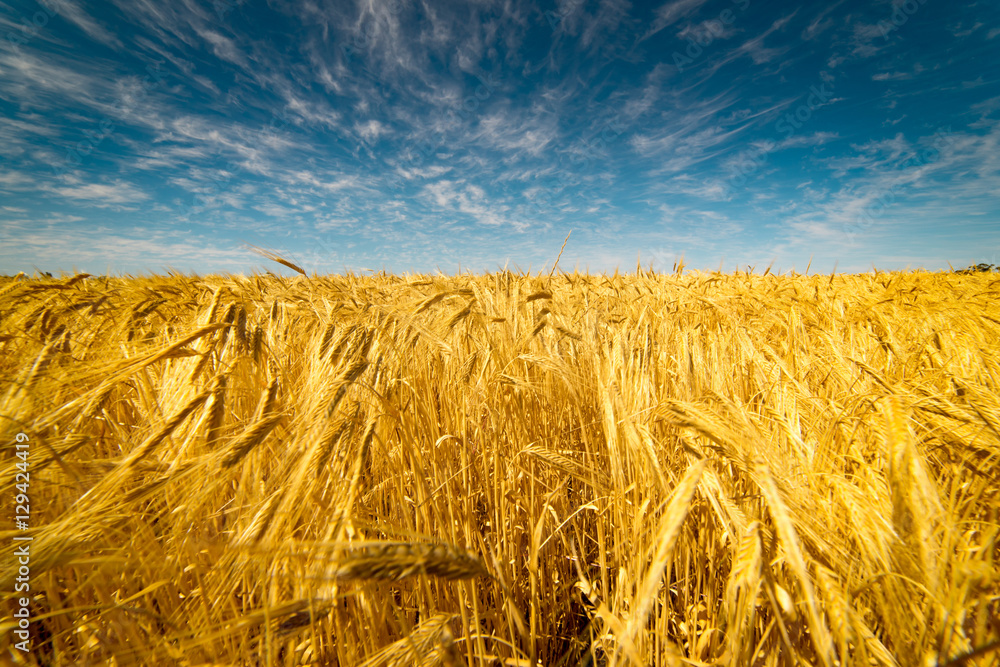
(397, 560)
(508, 469)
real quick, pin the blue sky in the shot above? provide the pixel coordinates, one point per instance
(411, 135)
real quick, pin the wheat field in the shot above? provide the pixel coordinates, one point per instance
(558, 469)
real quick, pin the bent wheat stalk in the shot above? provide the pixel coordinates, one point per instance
(398, 560)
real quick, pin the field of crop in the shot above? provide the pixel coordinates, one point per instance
(504, 469)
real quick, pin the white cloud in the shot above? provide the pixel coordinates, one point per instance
(516, 133)
(71, 11)
(96, 250)
(891, 76)
(471, 201)
(101, 194)
(223, 47)
(335, 184)
(669, 13)
(371, 130)
(16, 181)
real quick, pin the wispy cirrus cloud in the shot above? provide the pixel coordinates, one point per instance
(369, 133)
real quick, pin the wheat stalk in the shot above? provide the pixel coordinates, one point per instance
(398, 560)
